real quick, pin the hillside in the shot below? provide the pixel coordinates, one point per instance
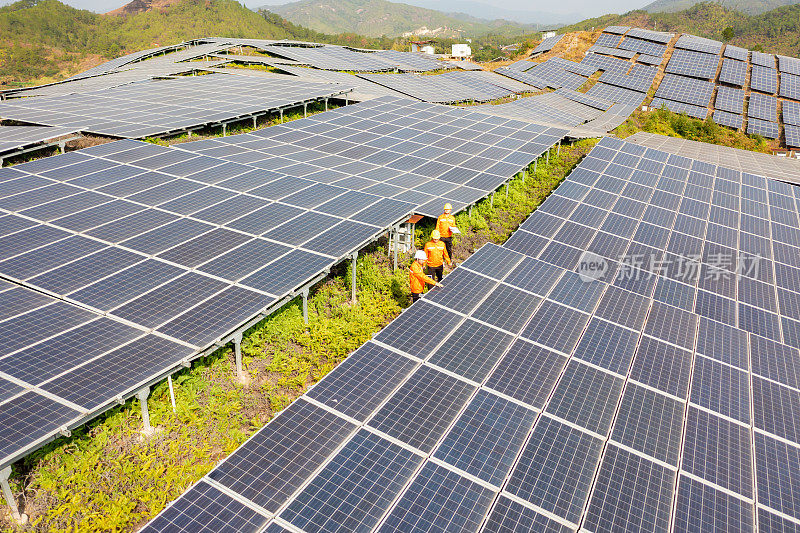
(750, 7)
(775, 31)
(45, 40)
(380, 17)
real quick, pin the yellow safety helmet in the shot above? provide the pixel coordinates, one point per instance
(448, 206)
(435, 234)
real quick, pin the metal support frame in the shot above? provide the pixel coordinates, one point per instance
(507, 184)
(305, 305)
(224, 129)
(9, 496)
(237, 350)
(397, 243)
(548, 156)
(491, 200)
(305, 109)
(255, 121)
(558, 149)
(143, 394)
(524, 175)
(172, 394)
(353, 276)
(326, 104)
(535, 166)
(281, 112)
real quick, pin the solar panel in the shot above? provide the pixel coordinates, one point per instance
(547, 44)
(698, 44)
(486, 438)
(695, 111)
(694, 64)
(700, 506)
(770, 130)
(762, 59)
(733, 72)
(608, 39)
(763, 107)
(764, 79)
(735, 52)
(730, 100)
(642, 46)
(686, 90)
(366, 464)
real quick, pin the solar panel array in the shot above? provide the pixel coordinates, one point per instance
(792, 133)
(726, 118)
(616, 94)
(16, 138)
(643, 47)
(332, 58)
(641, 81)
(154, 108)
(523, 77)
(650, 35)
(522, 395)
(446, 88)
(694, 64)
(791, 113)
(556, 76)
(765, 128)
(608, 64)
(789, 65)
(554, 108)
(141, 256)
(735, 52)
(783, 168)
(547, 44)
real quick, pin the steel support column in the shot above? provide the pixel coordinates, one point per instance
(305, 305)
(9, 496)
(143, 395)
(237, 350)
(397, 243)
(353, 276)
(559, 148)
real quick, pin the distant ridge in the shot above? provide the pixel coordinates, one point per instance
(381, 17)
(750, 7)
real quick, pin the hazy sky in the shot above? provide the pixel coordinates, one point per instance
(587, 8)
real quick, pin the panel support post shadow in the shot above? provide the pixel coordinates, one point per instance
(237, 350)
(143, 394)
(353, 276)
(20, 519)
(305, 306)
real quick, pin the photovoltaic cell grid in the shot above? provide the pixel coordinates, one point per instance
(763, 107)
(154, 214)
(553, 454)
(698, 44)
(730, 100)
(694, 64)
(650, 35)
(764, 79)
(686, 90)
(695, 111)
(725, 118)
(790, 86)
(445, 88)
(733, 72)
(616, 52)
(547, 44)
(157, 107)
(398, 148)
(642, 46)
(735, 52)
(15, 138)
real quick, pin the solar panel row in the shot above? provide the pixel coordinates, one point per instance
(638, 379)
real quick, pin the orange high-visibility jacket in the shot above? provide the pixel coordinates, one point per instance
(417, 279)
(443, 224)
(437, 252)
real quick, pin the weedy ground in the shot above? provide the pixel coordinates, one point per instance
(107, 477)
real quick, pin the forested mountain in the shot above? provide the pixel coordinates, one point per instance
(381, 17)
(751, 7)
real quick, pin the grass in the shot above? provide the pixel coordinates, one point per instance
(106, 477)
(665, 122)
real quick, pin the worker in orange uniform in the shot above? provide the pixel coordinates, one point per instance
(437, 254)
(445, 224)
(417, 278)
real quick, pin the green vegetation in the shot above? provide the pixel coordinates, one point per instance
(380, 17)
(106, 477)
(665, 122)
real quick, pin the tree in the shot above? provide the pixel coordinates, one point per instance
(727, 34)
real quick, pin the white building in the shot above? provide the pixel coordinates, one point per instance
(546, 34)
(426, 47)
(461, 50)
